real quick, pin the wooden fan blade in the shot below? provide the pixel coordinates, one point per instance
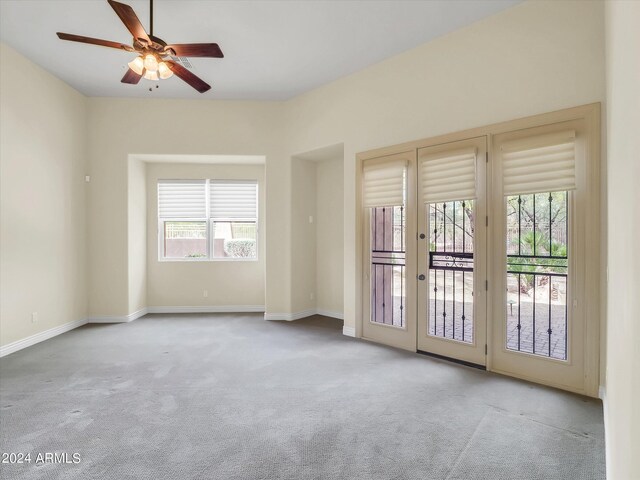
(94, 41)
(131, 77)
(196, 82)
(211, 50)
(130, 20)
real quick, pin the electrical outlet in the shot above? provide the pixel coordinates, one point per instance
(205, 293)
(311, 296)
(310, 218)
(34, 317)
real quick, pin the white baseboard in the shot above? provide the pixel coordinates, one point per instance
(602, 395)
(303, 314)
(290, 316)
(119, 319)
(349, 331)
(52, 332)
(329, 313)
(208, 309)
(178, 309)
(40, 337)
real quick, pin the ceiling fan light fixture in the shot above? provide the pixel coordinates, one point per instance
(164, 71)
(151, 63)
(137, 65)
(150, 75)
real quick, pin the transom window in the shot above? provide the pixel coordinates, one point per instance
(207, 219)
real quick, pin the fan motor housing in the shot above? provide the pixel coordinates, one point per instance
(157, 46)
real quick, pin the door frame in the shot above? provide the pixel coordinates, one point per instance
(595, 237)
(566, 374)
(400, 337)
(474, 352)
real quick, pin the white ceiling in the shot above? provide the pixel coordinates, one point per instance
(274, 50)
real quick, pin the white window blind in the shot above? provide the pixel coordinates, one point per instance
(447, 176)
(539, 164)
(383, 183)
(182, 199)
(231, 199)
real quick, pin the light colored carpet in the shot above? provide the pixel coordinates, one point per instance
(235, 397)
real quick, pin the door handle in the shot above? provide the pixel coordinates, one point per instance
(421, 277)
(422, 235)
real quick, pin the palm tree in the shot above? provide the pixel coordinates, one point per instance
(550, 257)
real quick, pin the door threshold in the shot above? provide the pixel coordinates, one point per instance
(454, 360)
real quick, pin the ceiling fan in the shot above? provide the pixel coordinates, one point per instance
(153, 61)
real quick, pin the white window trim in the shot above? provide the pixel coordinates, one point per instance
(209, 221)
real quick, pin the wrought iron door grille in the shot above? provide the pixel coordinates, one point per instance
(537, 267)
(388, 265)
(451, 245)
(459, 262)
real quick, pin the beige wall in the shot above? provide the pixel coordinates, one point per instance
(120, 127)
(42, 199)
(622, 417)
(317, 239)
(536, 57)
(303, 238)
(497, 69)
(228, 283)
(533, 58)
(329, 236)
(137, 238)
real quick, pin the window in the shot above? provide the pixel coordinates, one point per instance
(537, 267)
(539, 175)
(384, 194)
(388, 265)
(233, 213)
(451, 269)
(207, 219)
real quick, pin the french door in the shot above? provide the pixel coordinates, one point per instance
(452, 250)
(489, 257)
(390, 251)
(539, 260)
(427, 244)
